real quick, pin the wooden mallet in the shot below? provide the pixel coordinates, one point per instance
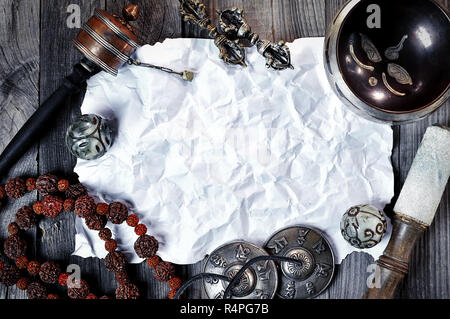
(414, 210)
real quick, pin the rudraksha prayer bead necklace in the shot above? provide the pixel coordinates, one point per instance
(76, 200)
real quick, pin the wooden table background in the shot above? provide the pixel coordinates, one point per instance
(35, 54)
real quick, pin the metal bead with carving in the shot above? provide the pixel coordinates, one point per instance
(363, 226)
(260, 281)
(307, 245)
(89, 137)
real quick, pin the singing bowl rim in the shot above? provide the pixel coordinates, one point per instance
(346, 93)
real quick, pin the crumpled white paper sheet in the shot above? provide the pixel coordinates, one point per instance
(239, 153)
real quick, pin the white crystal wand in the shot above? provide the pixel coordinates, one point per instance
(414, 210)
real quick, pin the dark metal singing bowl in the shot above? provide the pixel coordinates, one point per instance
(396, 71)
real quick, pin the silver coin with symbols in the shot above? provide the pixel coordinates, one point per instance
(260, 281)
(315, 273)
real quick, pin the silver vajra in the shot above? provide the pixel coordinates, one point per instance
(233, 28)
(233, 24)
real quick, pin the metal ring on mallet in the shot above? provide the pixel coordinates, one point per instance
(414, 210)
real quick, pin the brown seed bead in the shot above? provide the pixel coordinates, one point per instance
(95, 222)
(9, 276)
(22, 262)
(36, 290)
(111, 245)
(15, 188)
(14, 247)
(175, 283)
(22, 284)
(152, 262)
(13, 228)
(122, 278)
(25, 218)
(63, 185)
(69, 205)
(33, 267)
(2, 192)
(133, 220)
(146, 246)
(102, 209)
(105, 298)
(115, 262)
(47, 184)
(84, 206)
(140, 230)
(52, 297)
(164, 271)
(172, 294)
(31, 184)
(49, 272)
(91, 296)
(127, 291)
(76, 191)
(79, 291)
(62, 280)
(1, 265)
(38, 208)
(52, 206)
(105, 234)
(117, 213)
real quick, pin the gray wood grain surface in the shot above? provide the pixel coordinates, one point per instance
(35, 54)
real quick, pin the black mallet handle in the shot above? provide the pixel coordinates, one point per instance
(40, 121)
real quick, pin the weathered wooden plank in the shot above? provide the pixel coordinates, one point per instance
(332, 7)
(355, 265)
(19, 73)
(57, 235)
(19, 65)
(196, 290)
(293, 19)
